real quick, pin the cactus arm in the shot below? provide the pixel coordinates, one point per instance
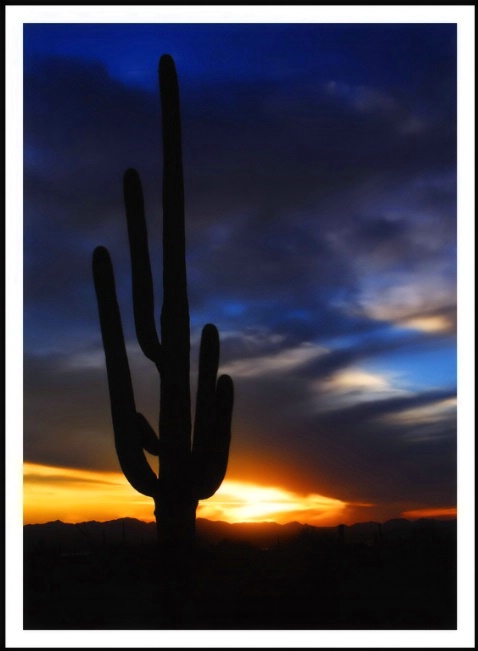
(212, 426)
(206, 391)
(212, 470)
(127, 434)
(175, 408)
(142, 279)
(149, 440)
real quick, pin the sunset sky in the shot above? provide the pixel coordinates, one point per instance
(321, 217)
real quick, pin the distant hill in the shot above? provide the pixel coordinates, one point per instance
(91, 536)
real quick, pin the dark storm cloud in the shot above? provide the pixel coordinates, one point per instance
(67, 419)
(266, 161)
(381, 442)
(377, 408)
(361, 450)
(294, 149)
(74, 117)
(74, 161)
(387, 460)
(385, 340)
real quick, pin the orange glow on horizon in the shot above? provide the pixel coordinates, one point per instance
(74, 495)
(238, 501)
(430, 513)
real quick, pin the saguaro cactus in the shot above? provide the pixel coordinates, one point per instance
(188, 471)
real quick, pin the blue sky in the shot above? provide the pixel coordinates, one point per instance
(320, 173)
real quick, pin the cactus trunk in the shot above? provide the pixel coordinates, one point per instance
(175, 505)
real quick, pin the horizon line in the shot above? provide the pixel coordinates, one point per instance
(443, 518)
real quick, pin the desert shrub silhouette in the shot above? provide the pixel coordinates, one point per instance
(188, 471)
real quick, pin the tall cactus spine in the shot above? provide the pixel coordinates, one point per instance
(189, 469)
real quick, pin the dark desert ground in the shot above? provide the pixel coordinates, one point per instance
(397, 575)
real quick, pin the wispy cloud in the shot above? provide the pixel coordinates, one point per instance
(354, 385)
(283, 361)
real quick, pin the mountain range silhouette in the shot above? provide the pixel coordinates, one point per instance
(90, 536)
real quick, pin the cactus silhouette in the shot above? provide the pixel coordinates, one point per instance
(188, 470)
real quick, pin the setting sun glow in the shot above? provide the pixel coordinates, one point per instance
(72, 495)
(238, 501)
